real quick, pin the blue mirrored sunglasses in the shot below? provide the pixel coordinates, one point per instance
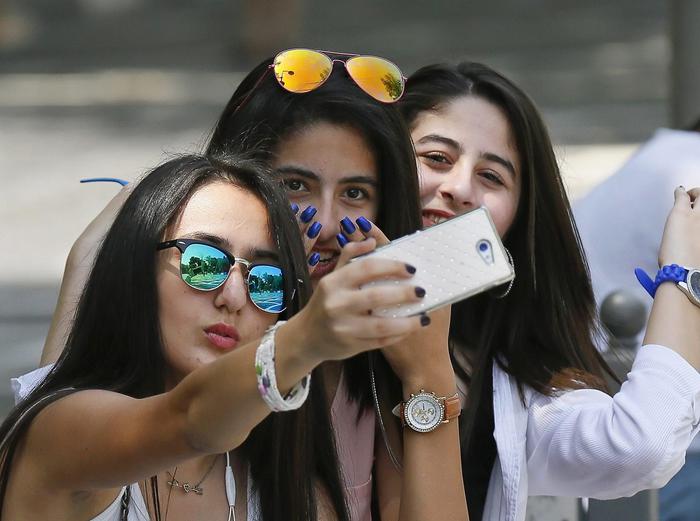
(206, 267)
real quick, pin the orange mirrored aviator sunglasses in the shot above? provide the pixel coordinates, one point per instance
(303, 70)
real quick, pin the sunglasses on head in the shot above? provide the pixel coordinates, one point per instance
(303, 70)
(206, 267)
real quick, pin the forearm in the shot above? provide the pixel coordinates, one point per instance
(78, 266)
(675, 323)
(432, 485)
(221, 403)
(75, 275)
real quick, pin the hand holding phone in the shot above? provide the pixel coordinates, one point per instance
(454, 260)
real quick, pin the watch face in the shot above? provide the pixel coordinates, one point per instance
(693, 281)
(423, 412)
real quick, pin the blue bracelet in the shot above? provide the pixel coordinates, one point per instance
(668, 273)
(105, 180)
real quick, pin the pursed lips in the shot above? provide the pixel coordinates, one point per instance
(222, 336)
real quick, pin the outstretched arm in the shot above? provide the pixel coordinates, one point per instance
(107, 439)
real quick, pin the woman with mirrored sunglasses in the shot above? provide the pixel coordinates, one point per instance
(162, 395)
(538, 419)
(348, 165)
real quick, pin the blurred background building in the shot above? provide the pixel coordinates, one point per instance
(111, 87)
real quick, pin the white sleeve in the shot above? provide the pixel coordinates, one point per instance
(586, 443)
(25, 384)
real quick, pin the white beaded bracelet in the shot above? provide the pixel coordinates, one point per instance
(267, 380)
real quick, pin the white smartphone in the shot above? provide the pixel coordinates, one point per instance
(454, 260)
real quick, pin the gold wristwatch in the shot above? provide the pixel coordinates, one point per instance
(425, 411)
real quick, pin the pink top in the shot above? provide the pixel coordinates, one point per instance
(355, 442)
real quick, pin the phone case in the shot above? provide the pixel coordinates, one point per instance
(454, 260)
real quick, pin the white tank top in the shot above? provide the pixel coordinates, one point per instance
(139, 512)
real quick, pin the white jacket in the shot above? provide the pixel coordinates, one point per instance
(584, 443)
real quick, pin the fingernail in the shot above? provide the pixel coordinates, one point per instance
(410, 269)
(307, 214)
(420, 292)
(347, 226)
(314, 230)
(313, 260)
(342, 240)
(364, 224)
(424, 320)
(295, 208)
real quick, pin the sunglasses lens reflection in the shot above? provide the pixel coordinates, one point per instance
(378, 77)
(302, 70)
(266, 288)
(204, 267)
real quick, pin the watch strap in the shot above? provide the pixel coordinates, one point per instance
(667, 273)
(453, 407)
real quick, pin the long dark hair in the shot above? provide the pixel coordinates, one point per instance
(261, 113)
(115, 342)
(541, 333)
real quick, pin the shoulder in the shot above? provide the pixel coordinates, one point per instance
(71, 413)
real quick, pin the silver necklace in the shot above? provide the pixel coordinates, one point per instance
(186, 487)
(392, 456)
(230, 483)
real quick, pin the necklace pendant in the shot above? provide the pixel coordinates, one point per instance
(192, 488)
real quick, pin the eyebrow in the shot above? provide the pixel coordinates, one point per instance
(255, 253)
(489, 156)
(313, 176)
(500, 160)
(440, 139)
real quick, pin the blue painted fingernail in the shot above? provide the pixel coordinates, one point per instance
(314, 230)
(307, 214)
(424, 320)
(295, 208)
(364, 224)
(410, 269)
(420, 292)
(104, 180)
(342, 240)
(313, 260)
(347, 226)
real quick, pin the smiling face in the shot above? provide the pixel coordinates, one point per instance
(466, 159)
(199, 326)
(332, 168)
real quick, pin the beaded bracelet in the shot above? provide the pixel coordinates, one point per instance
(267, 380)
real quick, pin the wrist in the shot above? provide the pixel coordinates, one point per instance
(295, 357)
(442, 383)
